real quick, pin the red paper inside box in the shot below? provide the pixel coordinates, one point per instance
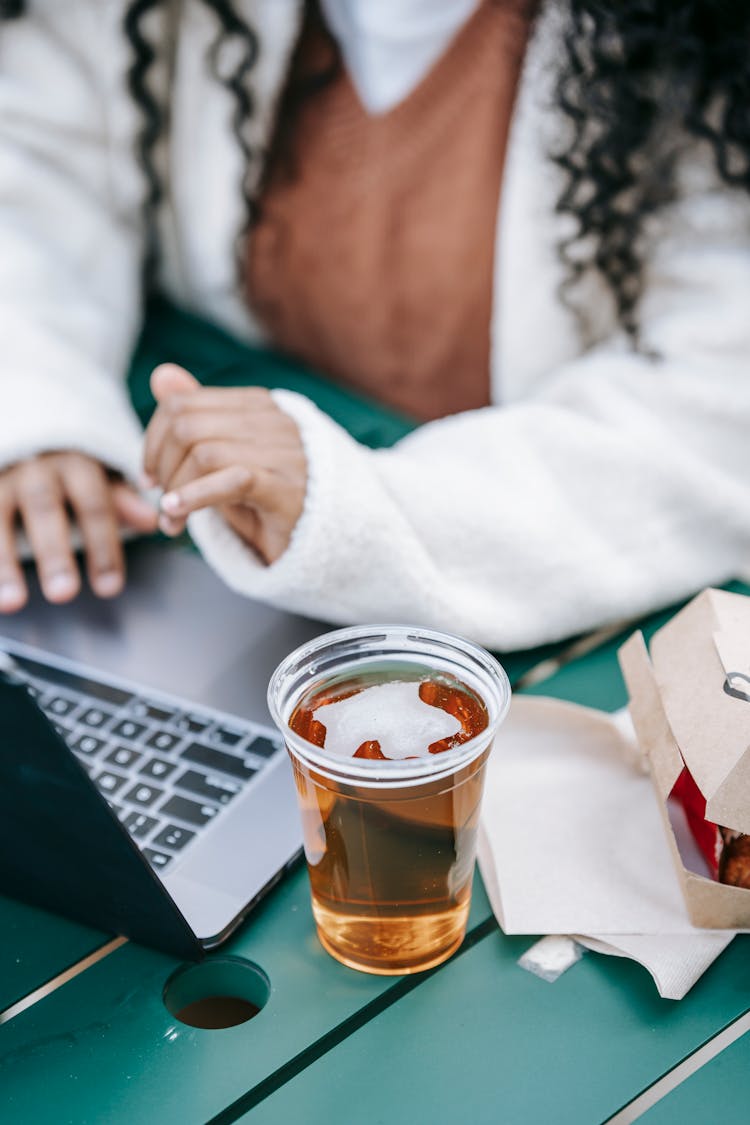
(706, 834)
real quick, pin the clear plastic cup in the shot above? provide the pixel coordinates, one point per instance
(390, 845)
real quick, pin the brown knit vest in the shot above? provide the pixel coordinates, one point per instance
(373, 260)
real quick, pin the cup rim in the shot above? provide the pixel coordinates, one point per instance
(488, 671)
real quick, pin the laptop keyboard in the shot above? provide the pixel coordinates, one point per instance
(166, 772)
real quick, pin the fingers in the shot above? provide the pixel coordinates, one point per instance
(88, 491)
(190, 430)
(168, 379)
(232, 449)
(40, 492)
(187, 416)
(169, 384)
(249, 492)
(232, 485)
(193, 429)
(13, 591)
(41, 503)
(132, 509)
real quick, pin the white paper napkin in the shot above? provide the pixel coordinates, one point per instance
(571, 842)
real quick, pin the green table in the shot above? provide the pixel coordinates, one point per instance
(476, 1039)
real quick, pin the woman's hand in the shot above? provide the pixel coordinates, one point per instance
(232, 449)
(40, 494)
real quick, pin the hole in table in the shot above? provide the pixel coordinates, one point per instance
(221, 992)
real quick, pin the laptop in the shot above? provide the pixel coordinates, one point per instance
(134, 810)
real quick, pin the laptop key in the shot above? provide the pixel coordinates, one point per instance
(126, 728)
(143, 795)
(95, 717)
(163, 740)
(191, 724)
(187, 810)
(123, 756)
(228, 737)
(87, 744)
(217, 760)
(219, 789)
(108, 782)
(158, 860)
(263, 747)
(145, 710)
(173, 837)
(59, 706)
(157, 767)
(139, 825)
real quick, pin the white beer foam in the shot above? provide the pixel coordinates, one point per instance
(391, 714)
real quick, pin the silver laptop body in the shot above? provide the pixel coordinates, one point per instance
(198, 777)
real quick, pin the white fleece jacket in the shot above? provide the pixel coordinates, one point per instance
(599, 486)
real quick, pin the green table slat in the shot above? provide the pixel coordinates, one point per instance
(109, 1051)
(35, 946)
(719, 1091)
(482, 1041)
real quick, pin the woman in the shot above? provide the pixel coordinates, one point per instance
(580, 355)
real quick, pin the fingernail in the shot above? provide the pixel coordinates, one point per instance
(169, 526)
(107, 585)
(11, 595)
(170, 502)
(60, 586)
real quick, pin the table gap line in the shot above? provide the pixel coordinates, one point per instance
(673, 1078)
(342, 1031)
(545, 669)
(62, 978)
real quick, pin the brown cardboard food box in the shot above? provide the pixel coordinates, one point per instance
(690, 706)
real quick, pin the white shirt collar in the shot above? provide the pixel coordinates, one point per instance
(389, 46)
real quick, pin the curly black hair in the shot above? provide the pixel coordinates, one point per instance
(231, 57)
(634, 80)
(153, 121)
(639, 79)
